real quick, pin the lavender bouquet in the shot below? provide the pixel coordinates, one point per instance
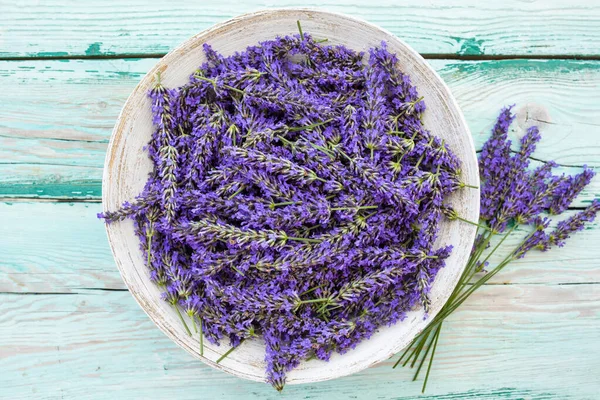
(512, 196)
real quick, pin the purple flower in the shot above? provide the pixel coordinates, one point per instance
(568, 189)
(538, 239)
(573, 224)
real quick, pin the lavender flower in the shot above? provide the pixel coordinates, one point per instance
(573, 224)
(568, 189)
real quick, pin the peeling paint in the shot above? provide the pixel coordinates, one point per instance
(469, 46)
(94, 49)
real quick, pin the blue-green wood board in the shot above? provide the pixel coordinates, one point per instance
(70, 329)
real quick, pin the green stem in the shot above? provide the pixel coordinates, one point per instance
(214, 83)
(344, 154)
(426, 353)
(150, 234)
(323, 149)
(307, 230)
(300, 29)
(480, 249)
(419, 161)
(201, 338)
(236, 193)
(449, 308)
(480, 282)
(194, 324)
(311, 126)
(353, 208)
(405, 352)
(500, 243)
(370, 215)
(419, 344)
(454, 302)
(311, 290)
(285, 141)
(473, 265)
(285, 203)
(437, 335)
(473, 223)
(237, 270)
(469, 186)
(182, 320)
(228, 352)
(418, 352)
(462, 278)
(307, 240)
(320, 300)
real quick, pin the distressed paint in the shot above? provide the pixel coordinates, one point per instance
(468, 27)
(39, 144)
(511, 342)
(532, 333)
(73, 253)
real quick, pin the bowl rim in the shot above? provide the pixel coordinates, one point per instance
(199, 38)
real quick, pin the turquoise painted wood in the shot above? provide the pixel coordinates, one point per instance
(44, 154)
(514, 342)
(72, 253)
(69, 328)
(63, 28)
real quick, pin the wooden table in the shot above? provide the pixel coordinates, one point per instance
(70, 329)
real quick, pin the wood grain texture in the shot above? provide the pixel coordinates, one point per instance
(72, 254)
(531, 334)
(509, 342)
(55, 248)
(30, 28)
(52, 143)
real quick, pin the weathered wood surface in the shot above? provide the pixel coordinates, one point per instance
(57, 115)
(64, 28)
(50, 247)
(511, 342)
(69, 329)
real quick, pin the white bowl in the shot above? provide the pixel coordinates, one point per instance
(127, 166)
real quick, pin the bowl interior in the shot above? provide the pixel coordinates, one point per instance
(127, 167)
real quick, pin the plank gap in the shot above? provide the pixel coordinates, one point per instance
(427, 56)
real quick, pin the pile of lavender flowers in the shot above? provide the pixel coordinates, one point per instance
(296, 195)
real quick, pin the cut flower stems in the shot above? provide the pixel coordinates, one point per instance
(514, 198)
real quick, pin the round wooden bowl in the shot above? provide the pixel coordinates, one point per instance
(127, 166)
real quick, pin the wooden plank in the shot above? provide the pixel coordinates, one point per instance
(53, 144)
(468, 27)
(50, 247)
(54, 247)
(49, 181)
(511, 342)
